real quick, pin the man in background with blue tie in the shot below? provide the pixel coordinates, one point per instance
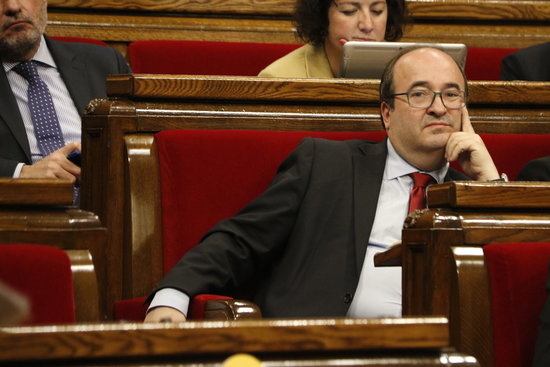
(45, 87)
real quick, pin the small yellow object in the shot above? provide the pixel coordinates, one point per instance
(242, 360)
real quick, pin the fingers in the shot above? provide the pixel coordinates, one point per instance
(69, 148)
(164, 314)
(466, 123)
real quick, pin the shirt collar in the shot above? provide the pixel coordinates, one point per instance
(396, 166)
(43, 56)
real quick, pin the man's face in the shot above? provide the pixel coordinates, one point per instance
(21, 26)
(423, 130)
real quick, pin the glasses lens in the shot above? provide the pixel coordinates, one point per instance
(453, 98)
(423, 98)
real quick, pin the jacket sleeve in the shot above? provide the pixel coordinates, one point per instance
(233, 251)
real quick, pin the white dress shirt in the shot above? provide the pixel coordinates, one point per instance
(378, 293)
(67, 113)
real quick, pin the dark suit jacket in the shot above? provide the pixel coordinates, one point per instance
(531, 63)
(536, 170)
(303, 240)
(542, 345)
(83, 67)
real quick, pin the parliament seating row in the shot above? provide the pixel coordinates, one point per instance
(119, 133)
(248, 59)
(477, 23)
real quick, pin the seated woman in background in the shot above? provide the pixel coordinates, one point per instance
(325, 25)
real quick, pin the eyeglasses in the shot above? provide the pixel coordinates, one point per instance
(452, 99)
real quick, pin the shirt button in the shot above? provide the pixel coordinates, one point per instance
(347, 298)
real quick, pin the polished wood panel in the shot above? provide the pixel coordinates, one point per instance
(478, 23)
(22, 191)
(323, 342)
(86, 292)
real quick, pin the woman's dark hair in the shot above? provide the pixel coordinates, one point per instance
(311, 20)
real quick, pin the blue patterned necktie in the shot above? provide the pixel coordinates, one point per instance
(44, 119)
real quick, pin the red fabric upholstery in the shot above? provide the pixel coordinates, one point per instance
(204, 57)
(130, 309)
(511, 152)
(208, 175)
(518, 273)
(42, 274)
(483, 63)
(81, 40)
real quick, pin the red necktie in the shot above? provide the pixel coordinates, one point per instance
(418, 192)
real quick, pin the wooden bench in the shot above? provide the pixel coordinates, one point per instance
(477, 23)
(445, 271)
(319, 342)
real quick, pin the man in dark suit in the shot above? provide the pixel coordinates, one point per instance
(530, 63)
(75, 73)
(308, 241)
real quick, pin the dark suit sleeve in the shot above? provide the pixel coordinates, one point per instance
(536, 170)
(511, 68)
(542, 345)
(231, 253)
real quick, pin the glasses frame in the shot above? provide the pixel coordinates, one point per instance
(435, 94)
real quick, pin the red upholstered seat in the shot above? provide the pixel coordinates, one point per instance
(43, 275)
(204, 57)
(518, 273)
(483, 63)
(208, 175)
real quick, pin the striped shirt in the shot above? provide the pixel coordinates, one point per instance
(67, 113)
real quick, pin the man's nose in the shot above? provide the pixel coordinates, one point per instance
(437, 107)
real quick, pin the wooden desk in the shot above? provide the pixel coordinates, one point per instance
(478, 23)
(118, 134)
(319, 342)
(444, 272)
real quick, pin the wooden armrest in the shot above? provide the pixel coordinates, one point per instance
(86, 293)
(21, 191)
(391, 257)
(231, 309)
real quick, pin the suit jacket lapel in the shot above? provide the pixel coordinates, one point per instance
(73, 71)
(9, 112)
(368, 165)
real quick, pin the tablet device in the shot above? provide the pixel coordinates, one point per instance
(368, 59)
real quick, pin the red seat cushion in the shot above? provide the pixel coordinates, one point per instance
(208, 175)
(483, 63)
(204, 57)
(42, 274)
(518, 273)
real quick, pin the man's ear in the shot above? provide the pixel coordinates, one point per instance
(385, 112)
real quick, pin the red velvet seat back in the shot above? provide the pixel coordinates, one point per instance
(511, 152)
(518, 274)
(42, 274)
(483, 63)
(204, 57)
(208, 175)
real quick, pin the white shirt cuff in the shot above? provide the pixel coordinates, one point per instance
(170, 297)
(17, 171)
